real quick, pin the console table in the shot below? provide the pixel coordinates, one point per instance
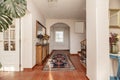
(116, 56)
(42, 52)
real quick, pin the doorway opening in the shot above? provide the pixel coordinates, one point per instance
(60, 36)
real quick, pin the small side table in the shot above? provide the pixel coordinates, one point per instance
(116, 56)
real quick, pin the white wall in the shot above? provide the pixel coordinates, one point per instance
(91, 40)
(26, 40)
(97, 39)
(103, 40)
(74, 37)
(29, 34)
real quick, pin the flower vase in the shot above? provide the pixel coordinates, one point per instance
(114, 48)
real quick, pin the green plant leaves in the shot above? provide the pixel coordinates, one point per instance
(15, 8)
(10, 9)
(0, 65)
(5, 21)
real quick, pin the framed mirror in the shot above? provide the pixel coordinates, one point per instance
(40, 29)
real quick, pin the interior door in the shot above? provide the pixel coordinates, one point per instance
(9, 48)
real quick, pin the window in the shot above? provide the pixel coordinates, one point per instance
(59, 36)
(7, 39)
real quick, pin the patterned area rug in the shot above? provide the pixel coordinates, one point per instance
(59, 61)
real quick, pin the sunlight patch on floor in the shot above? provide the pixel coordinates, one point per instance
(7, 68)
(50, 74)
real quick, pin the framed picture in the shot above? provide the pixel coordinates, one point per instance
(40, 29)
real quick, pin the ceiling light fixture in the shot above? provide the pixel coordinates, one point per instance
(52, 3)
(52, 0)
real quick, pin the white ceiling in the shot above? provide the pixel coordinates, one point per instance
(63, 9)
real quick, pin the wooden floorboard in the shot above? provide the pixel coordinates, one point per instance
(38, 74)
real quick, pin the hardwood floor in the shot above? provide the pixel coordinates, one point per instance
(38, 74)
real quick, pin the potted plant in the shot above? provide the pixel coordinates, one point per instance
(114, 38)
(46, 38)
(10, 9)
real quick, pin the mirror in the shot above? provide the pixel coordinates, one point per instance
(40, 29)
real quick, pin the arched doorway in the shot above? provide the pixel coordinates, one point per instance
(60, 36)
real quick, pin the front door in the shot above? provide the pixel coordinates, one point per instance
(9, 48)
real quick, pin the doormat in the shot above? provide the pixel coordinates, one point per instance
(58, 61)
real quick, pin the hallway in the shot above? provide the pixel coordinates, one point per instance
(38, 74)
